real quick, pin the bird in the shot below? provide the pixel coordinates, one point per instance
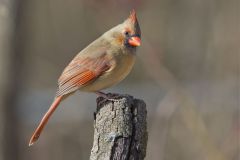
(103, 63)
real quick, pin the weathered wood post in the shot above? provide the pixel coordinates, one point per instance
(120, 129)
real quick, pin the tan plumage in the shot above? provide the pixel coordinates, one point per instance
(103, 63)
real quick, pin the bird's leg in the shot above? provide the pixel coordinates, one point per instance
(104, 95)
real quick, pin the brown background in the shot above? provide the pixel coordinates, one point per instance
(187, 72)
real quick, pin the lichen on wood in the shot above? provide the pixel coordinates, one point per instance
(120, 129)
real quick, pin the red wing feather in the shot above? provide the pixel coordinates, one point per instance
(81, 71)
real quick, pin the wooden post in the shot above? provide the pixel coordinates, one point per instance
(120, 129)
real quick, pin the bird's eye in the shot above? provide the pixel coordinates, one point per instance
(126, 33)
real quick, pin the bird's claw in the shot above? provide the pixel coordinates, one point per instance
(107, 97)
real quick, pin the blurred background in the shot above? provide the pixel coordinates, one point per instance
(187, 72)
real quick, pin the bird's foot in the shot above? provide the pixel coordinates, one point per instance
(108, 96)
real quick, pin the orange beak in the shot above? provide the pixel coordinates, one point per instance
(134, 41)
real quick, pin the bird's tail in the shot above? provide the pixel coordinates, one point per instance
(44, 120)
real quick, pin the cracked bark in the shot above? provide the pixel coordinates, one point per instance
(120, 129)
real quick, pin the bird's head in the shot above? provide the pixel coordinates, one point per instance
(126, 34)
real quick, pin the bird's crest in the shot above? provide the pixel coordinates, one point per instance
(132, 16)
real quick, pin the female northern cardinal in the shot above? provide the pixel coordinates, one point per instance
(103, 63)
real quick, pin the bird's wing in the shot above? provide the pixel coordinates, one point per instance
(80, 71)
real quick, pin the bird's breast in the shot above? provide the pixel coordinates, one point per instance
(122, 65)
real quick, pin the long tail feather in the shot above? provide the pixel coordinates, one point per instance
(44, 120)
